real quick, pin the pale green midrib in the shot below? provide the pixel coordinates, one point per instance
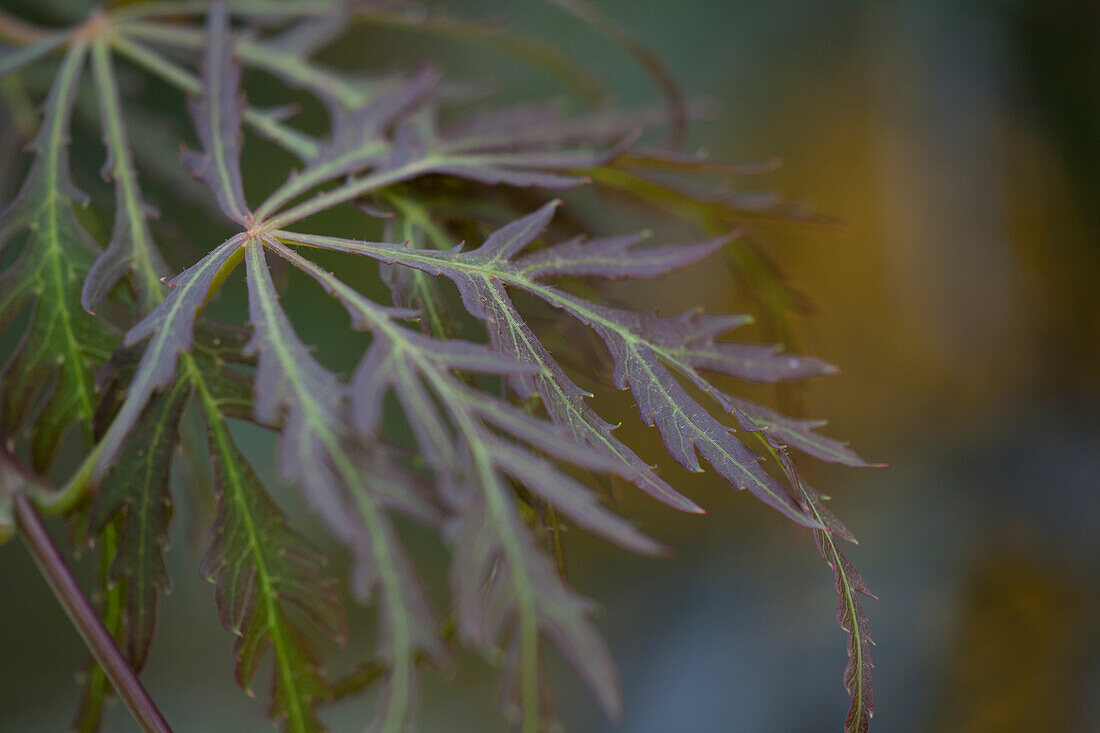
(857, 634)
(264, 57)
(555, 298)
(563, 399)
(267, 587)
(122, 169)
(291, 139)
(402, 650)
(577, 261)
(512, 549)
(213, 107)
(312, 177)
(348, 192)
(849, 602)
(67, 78)
(158, 65)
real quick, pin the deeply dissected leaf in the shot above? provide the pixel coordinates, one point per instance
(262, 570)
(169, 328)
(413, 155)
(137, 487)
(131, 247)
(217, 116)
(507, 590)
(849, 585)
(849, 614)
(494, 467)
(52, 368)
(319, 454)
(640, 345)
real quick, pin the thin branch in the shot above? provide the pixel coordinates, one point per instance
(85, 618)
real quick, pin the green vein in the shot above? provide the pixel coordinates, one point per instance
(377, 531)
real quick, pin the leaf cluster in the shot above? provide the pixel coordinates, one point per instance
(118, 347)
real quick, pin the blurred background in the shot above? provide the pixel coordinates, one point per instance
(959, 144)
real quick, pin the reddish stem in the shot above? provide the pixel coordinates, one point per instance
(85, 618)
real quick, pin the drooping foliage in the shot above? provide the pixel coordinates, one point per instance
(475, 439)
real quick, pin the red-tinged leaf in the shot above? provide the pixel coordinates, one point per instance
(849, 584)
(800, 434)
(217, 118)
(614, 257)
(685, 426)
(565, 402)
(472, 463)
(318, 452)
(415, 148)
(170, 329)
(481, 470)
(850, 616)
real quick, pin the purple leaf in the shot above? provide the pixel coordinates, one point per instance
(217, 118)
(170, 326)
(614, 257)
(796, 433)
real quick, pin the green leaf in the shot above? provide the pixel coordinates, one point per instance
(262, 569)
(62, 341)
(138, 488)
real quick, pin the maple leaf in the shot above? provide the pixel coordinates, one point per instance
(640, 345)
(137, 487)
(474, 464)
(262, 569)
(62, 342)
(484, 471)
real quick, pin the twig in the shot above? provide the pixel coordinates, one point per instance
(85, 618)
